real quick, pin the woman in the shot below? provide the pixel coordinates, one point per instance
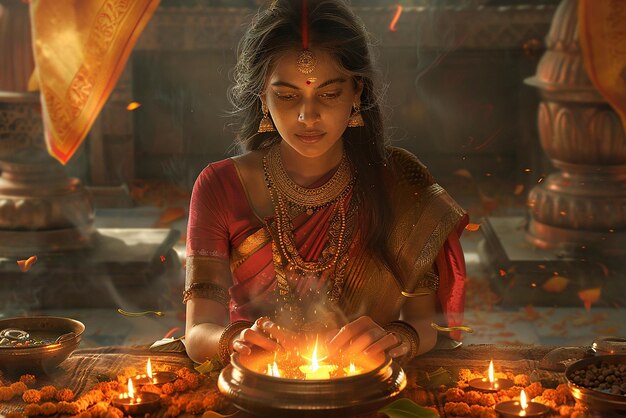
(318, 227)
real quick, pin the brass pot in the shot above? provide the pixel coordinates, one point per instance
(596, 400)
(261, 394)
(40, 358)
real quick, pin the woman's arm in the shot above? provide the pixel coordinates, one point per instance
(419, 312)
(205, 324)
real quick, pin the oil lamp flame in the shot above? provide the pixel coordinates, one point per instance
(149, 369)
(522, 400)
(131, 389)
(491, 375)
(352, 368)
(314, 363)
(272, 370)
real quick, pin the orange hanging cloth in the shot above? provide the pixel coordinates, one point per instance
(80, 50)
(603, 43)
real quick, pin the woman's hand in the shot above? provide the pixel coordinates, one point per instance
(265, 335)
(366, 336)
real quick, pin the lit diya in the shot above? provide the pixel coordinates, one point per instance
(287, 383)
(143, 403)
(491, 384)
(521, 408)
(156, 378)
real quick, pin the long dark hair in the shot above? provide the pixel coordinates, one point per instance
(333, 27)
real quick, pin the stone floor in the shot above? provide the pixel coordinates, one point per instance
(492, 322)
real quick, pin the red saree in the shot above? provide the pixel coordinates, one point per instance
(224, 234)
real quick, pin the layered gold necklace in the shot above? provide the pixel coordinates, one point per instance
(290, 200)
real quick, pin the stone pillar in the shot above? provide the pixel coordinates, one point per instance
(580, 209)
(42, 210)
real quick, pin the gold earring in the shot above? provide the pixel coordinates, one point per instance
(356, 119)
(266, 124)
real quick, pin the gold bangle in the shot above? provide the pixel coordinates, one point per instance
(223, 346)
(406, 334)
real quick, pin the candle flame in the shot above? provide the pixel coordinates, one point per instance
(522, 400)
(272, 370)
(275, 371)
(314, 363)
(131, 389)
(352, 369)
(149, 369)
(491, 378)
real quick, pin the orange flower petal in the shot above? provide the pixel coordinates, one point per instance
(133, 106)
(463, 173)
(472, 227)
(25, 265)
(555, 284)
(590, 296)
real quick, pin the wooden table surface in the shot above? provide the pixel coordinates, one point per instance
(86, 367)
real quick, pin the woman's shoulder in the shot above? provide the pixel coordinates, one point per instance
(216, 170)
(405, 168)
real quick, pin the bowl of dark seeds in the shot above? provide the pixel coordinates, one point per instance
(38, 343)
(599, 382)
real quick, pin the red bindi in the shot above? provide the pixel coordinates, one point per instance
(308, 82)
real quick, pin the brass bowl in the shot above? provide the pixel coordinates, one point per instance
(40, 358)
(596, 400)
(265, 395)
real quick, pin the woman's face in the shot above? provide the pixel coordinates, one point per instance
(310, 111)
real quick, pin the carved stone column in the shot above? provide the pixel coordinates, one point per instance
(581, 208)
(42, 210)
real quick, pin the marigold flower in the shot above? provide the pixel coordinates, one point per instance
(31, 396)
(194, 407)
(47, 393)
(6, 393)
(32, 410)
(19, 388)
(172, 411)
(65, 395)
(48, 408)
(29, 379)
(67, 408)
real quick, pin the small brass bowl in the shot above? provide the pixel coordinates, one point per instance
(40, 358)
(596, 400)
(265, 395)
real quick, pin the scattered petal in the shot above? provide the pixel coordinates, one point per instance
(590, 296)
(133, 106)
(25, 265)
(463, 173)
(555, 284)
(472, 227)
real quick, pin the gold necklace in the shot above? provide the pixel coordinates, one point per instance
(286, 257)
(309, 198)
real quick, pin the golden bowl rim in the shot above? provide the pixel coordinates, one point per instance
(236, 363)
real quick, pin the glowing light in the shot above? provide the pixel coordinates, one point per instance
(491, 378)
(272, 370)
(133, 105)
(396, 17)
(352, 370)
(131, 389)
(149, 369)
(316, 370)
(522, 400)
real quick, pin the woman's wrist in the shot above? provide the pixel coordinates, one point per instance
(224, 346)
(406, 334)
